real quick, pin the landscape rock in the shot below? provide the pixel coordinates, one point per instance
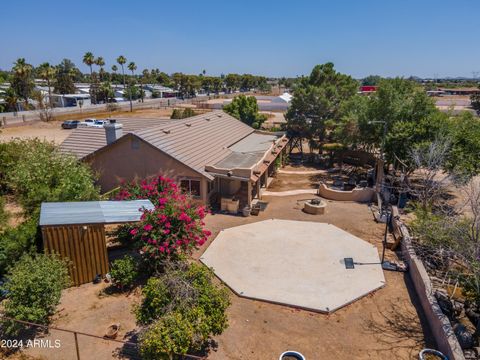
(464, 336)
(444, 303)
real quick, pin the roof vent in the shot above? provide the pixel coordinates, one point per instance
(166, 131)
(208, 119)
(188, 125)
(219, 115)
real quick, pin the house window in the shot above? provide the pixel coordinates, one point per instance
(191, 186)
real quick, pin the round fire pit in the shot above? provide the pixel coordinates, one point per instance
(315, 207)
(291, 355)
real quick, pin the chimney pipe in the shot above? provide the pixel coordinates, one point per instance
(113, 131)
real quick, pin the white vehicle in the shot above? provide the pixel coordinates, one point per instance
(89, 122)
(99, 123)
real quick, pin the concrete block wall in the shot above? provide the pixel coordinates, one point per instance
(439, 324)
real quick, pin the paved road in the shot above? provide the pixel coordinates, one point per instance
(34, 115)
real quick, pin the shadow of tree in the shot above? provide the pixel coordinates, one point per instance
(401, 326)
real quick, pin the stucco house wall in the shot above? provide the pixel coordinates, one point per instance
(131, 158)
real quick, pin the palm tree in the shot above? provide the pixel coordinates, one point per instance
(89, 60)
(47, 72)
(11, 99)
(144, 81)
(132, 67)
(100, 62)
(121, 60)
(106, 90)
(22, 81)
(114, 70)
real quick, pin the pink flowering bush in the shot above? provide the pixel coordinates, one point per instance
(158, 190)
(174, 227)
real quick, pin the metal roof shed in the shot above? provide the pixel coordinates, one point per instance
(76, 231)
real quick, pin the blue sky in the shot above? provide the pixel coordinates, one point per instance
(273, 38)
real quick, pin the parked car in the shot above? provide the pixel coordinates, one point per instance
(99, 123)
(70, 124)
(89, 122)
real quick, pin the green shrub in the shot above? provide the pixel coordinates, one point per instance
(176, 114)
(187, 291)
(15, 242)
(182, 114)
(168, 336)
(35, 172)
(3, 213)
(188, 112)
(33, 288)
(124, 272)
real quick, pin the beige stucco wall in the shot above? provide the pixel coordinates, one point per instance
(122, 161)
(358, 195)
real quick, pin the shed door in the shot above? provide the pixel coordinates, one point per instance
(83, 245)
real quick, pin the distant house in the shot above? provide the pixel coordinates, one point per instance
(69, 100)
(467, 91)
(285, 98)
(213, 156)
(368, 89)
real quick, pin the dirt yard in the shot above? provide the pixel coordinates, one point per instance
(383, 325)
(52, 131)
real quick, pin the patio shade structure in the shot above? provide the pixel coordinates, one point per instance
(76, 231)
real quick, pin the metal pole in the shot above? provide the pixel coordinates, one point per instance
(76, 345)
(385, 237)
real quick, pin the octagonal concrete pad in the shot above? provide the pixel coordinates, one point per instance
(295, 263)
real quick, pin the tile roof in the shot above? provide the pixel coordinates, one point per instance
(195, 141)
(199, 140)
(84, 141)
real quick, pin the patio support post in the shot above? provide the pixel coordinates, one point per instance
(259, 194)
(249, 193)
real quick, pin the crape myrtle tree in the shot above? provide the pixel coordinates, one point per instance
(173, 228)
(318, 102)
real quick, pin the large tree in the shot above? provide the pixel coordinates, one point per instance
(66, 72)
(245, 108)
(397, 118)
(464, 156)
(89, 60)
(22, 81)
(47, 73)
(101, 63)
(318, 102)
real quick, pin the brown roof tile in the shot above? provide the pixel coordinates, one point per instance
(195, 141)
(84, 141)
